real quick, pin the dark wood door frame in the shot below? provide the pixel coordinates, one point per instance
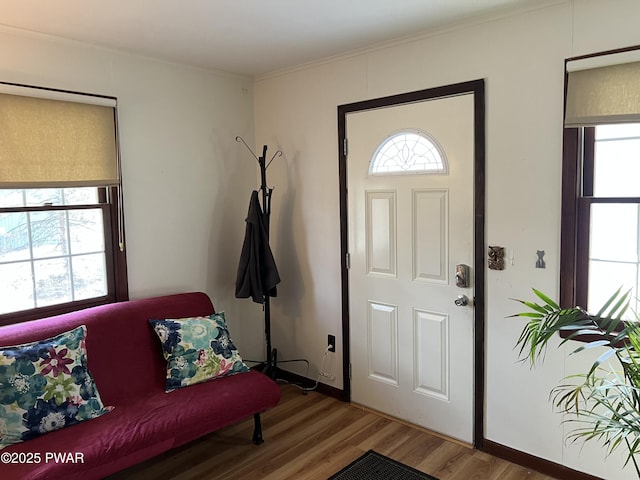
(475, 87)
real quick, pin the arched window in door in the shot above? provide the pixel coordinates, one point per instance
(408, 152)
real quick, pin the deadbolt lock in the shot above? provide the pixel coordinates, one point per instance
(462, 276)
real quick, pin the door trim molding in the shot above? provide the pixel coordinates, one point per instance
(475, 87)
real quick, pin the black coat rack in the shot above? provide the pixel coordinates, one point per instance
(258, 291)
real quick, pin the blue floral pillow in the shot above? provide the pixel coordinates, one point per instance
(197, 349)
(45, 386)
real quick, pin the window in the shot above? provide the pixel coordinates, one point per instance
(608, 214)
(600, 245)
(61, 236)
(406, 152)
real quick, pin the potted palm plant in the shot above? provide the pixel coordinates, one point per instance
(604, 402)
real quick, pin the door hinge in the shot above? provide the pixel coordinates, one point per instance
(349, 371)
(347, 260)
(345, 146)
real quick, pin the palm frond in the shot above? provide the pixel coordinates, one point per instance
(604, 403)
(548, 302)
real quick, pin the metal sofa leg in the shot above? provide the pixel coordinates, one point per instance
(257, 429)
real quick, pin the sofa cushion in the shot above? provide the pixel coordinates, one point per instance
(109, 347)
(197, 349)
(154, 423)
(45, 386)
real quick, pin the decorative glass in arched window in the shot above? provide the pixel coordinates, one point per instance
(408, 152)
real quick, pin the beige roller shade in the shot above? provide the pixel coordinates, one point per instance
(56, 143)
(601, 95)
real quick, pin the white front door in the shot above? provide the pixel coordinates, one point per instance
(411, 346)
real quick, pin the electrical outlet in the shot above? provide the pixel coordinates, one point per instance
(331, 343)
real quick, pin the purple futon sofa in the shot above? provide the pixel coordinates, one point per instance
(125, 358)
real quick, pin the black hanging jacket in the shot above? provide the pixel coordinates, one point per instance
(257, 271)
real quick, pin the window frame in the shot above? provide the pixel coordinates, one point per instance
(570, 280)
(115, 260)
(578, 164)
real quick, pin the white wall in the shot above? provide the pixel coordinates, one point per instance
(521, 58)
(186, 180)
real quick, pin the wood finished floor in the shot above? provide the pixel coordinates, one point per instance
(312, 436)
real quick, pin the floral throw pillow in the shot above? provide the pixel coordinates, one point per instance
(45, 386)
(197, 349)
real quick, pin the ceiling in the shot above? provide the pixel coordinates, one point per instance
(243, 36)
